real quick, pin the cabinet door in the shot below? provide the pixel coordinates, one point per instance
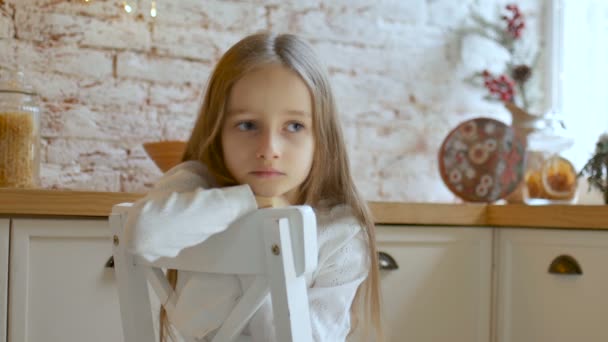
(442, 288)
(535, 305)
(59, 287)
(4, 243)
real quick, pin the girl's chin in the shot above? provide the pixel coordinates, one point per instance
(267, 192)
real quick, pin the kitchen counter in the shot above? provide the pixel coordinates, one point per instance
(30, 202)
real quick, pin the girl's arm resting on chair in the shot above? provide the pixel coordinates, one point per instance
(331, 296)
(181, 211)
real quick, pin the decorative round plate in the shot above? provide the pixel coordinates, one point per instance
(482, 160)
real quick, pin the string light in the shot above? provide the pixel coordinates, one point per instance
(153, 9)
(127, 7)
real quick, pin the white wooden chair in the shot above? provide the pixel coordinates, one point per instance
(276, 245)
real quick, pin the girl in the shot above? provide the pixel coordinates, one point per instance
(267, 135)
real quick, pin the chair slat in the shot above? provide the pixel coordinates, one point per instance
(278, 246)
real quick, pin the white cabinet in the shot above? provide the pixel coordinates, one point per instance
(442, 288)
(4, 243)
(59, 287)
(54, 286)
(535, 305)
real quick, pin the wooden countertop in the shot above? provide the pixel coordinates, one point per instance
(98, 204)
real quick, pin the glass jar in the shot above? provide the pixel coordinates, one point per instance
(19, 132)
(549, 177)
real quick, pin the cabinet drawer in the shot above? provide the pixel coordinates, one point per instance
(442, 288)
(59, 287)
(535, 305)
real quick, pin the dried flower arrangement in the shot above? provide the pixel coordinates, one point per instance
(511, 86)
(548, 176)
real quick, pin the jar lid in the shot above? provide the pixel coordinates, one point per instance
(13, 81)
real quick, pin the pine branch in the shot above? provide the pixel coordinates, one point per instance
(596, 170)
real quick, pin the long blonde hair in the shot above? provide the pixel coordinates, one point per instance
(330, 179)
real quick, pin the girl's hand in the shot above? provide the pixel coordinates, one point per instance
(271, 202)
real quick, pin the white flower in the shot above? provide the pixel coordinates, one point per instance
(490, 145)
(459, 145)
(486, 180)
(481, 190)
(470, 173)
(490, 128)
(478, 154)
(469, 130)
(455, 176)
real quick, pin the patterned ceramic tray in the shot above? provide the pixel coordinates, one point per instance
(482, 160)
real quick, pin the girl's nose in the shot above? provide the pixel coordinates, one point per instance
(268, 146)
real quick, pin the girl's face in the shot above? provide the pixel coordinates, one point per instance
(267, 136)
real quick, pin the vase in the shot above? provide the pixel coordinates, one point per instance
(549, 178)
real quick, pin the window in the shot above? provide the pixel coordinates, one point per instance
(578, 45)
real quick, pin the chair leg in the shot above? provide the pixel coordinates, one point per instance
(289, 297)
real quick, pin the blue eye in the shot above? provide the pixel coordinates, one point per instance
(295, 127)
(245, 126)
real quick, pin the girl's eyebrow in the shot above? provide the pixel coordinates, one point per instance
(239, 111)
(299, 112)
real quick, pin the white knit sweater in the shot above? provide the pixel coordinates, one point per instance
(186, 207)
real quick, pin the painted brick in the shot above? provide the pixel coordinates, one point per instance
(292, 5)
(7, 29)
(380, 137)
(161, 69)
(364, 172)
(64, 88)
(65, 59)
(177, 99)
(139, 176)
(120, 33)
(8, 53)
(86, 153)
(347, 26)
(213, 14)
(110, 81)
(73, 90)
(177, 126)
(192, 42)
(378, 87)
(349, 130)
(411, 12)
(120, 124)
(72, 177)
(96, 8)
(413, 178)
(449, 14)
(113, 92)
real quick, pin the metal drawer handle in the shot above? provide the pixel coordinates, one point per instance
(386, 262)
(110, 262)
(565, 264)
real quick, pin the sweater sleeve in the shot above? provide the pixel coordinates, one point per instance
(182, 211)
(343, 266)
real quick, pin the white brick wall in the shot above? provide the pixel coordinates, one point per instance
(110, 81)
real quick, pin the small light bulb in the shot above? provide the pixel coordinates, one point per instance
(153, 10)
(127, 7)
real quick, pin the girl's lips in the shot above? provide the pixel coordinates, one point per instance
(267, 174)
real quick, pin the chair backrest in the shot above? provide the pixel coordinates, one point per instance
(277, 246)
